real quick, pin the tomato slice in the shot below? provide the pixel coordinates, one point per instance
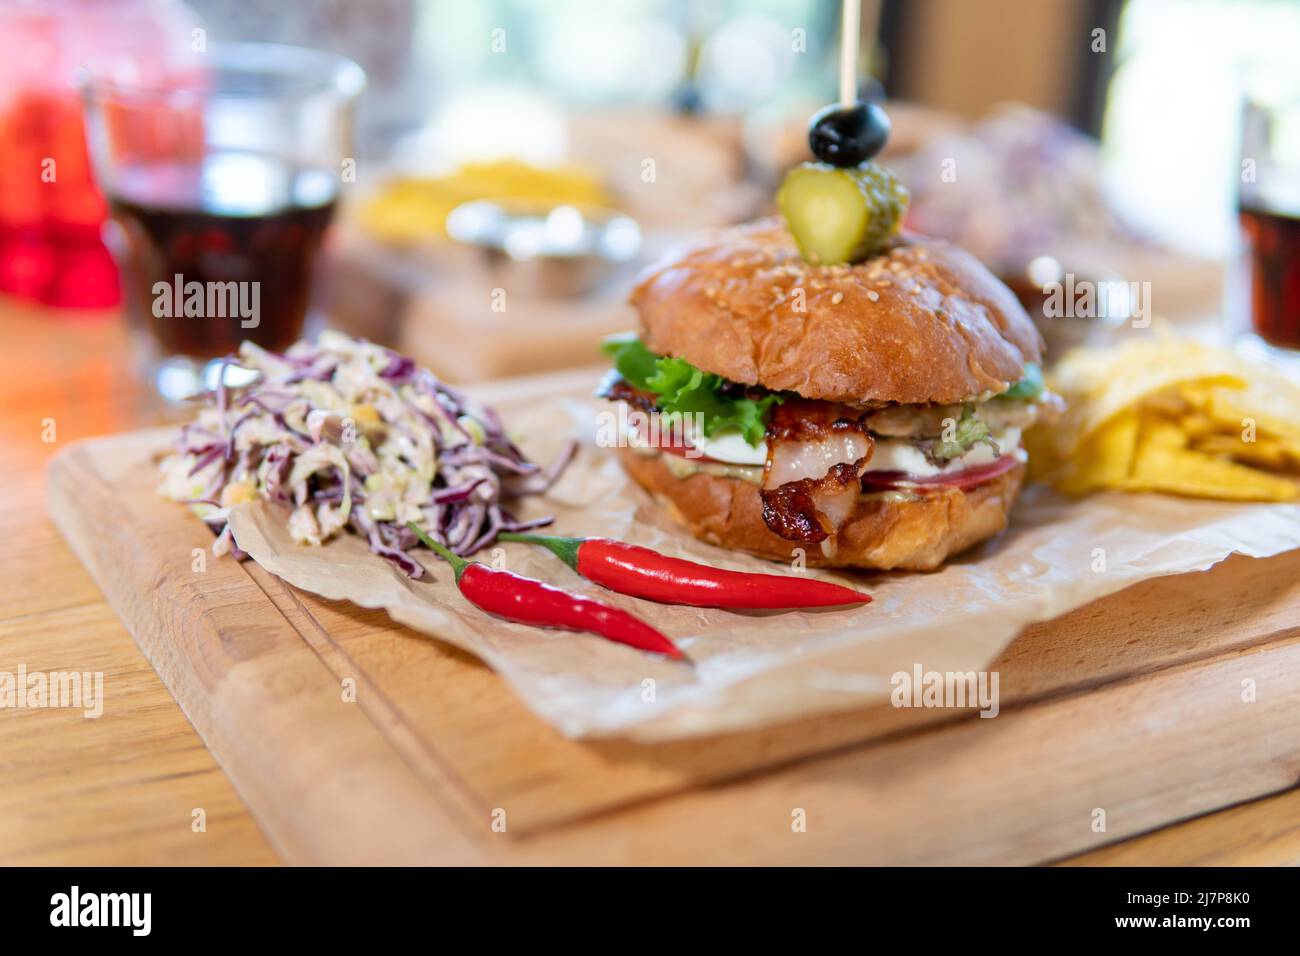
(670, 440)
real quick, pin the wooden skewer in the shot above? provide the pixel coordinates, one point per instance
(849, 42)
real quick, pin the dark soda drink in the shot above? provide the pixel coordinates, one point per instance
(220, 249)
(1273, 240)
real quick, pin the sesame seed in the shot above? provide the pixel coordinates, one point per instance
(837, 298)
(873, 295)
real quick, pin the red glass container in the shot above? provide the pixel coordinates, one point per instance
(51, 213)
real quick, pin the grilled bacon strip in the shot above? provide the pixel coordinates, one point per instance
(816, 454)
(812, 509)
(616, 389)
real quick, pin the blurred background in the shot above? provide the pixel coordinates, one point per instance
(1102, 138)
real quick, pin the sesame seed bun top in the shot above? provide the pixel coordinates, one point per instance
(921, 322)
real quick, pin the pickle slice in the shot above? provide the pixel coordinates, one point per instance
(841, 215)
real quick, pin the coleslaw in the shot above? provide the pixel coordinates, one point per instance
(353, 436)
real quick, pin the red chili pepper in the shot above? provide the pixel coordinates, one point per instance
(640, 572)
(529, 601)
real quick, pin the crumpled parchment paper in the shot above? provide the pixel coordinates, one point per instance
(754, 668)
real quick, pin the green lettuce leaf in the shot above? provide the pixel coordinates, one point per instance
(683, 389)
(634, 361)
(1031, 386)
(970, 431)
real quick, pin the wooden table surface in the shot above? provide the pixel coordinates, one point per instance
(123, 788)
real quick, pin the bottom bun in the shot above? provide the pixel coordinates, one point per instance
(881, 533)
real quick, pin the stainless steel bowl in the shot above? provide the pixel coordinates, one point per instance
(551, 251)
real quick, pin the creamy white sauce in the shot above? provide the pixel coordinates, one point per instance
(729, 446)
(893, 454)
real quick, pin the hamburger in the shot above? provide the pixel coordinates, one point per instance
(863, 413)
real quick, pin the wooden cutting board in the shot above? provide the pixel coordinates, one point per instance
(354, 740)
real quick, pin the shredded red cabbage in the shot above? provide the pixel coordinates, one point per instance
(290, 436)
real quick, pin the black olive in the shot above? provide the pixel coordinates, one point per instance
(848, 135)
